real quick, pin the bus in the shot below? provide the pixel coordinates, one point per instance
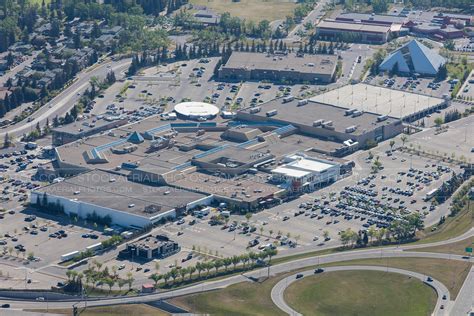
(430, 194)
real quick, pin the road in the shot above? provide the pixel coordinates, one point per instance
(382, 253)
(63, 102)
(464, 301)
(279, 288)
(312, 17)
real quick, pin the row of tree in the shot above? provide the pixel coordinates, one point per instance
(399, 231)
(247, 261)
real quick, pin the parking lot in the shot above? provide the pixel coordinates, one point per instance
(426, 86)
(455, 140)
(467, 90)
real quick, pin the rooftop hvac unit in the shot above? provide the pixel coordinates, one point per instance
(288, 99)
(317, 123)
(351, 129)
(272, 113)
(255, 110)
(356, 113)
(381, 118)
(302, 102)
(350, 111)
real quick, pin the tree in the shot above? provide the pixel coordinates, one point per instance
(155, 277)
(166, 277)
(404, 139)
(371, 232)
(7, 141)
(377, 165)
(182, 273)
(174, 274)
(248, 216)
(438, 121)
(227, 262)
(110, 283)
(442, 73)
(392, 143)
(326, 234)
(199, 267)
(121, 283)
(130, 280)
(217, 264)
(235, 261)
(191, 270)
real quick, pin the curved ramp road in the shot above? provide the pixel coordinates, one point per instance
(279, 288)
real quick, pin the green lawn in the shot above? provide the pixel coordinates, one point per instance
(39, 2)
(451, 273)
(457, 248)
(255, 10)
(367, 293)
(240, 299)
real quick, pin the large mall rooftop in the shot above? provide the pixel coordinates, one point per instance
(384, 101)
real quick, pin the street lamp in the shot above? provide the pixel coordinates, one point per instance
(26, 273)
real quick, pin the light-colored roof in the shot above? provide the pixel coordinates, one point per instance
(196, 109)
(374, 99)
(312, 165)
(356, 27)
(291, 172)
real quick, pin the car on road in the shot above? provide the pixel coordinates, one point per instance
(318, 270)
(6, 305)
(299, 275)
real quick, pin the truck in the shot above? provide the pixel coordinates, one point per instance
(69, 256)
(272, 113)
(430, 194)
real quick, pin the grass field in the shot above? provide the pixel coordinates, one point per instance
(452, 227)
(254, 299)
(255, 10)
(116, 310)
(451, 273)
(457, 248)
(367, 293)
(39, 2)
(239, 299)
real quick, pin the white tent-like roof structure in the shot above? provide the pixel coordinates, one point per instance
(414, 57)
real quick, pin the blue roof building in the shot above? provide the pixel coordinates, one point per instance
(414, 57)
(135, 138)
